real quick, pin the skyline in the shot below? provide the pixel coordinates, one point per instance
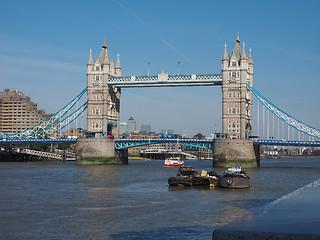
(44, 49)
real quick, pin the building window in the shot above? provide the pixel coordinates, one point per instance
(234, 110)
(97, 67)
(234, 64)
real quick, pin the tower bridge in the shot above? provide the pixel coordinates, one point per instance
(104, 84)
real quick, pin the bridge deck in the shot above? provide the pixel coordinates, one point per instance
(126, 143)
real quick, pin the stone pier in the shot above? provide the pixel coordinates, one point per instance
(99, 151)
(242, 152)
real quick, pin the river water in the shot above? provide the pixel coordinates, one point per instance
(58, 200)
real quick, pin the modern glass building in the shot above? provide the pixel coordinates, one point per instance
(146, 127)
(131, 125)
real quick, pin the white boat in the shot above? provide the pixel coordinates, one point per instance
(173, 162)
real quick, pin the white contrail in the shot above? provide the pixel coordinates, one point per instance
(148, 27)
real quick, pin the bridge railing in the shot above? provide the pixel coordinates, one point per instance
(287, 143)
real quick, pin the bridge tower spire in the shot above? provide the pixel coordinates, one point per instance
(237, 70)
(103, 112)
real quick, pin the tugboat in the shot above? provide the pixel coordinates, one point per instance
(183, 178)
(234, 177)
(187, 176)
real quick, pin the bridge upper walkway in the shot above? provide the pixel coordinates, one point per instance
(165, 80)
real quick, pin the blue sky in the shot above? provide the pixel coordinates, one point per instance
(44, 49)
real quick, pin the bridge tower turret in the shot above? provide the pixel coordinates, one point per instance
(237, 71)
(103, 112)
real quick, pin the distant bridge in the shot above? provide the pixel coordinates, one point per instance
(127, 143)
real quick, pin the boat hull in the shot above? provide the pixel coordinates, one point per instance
(204, 181)
(173, 163)
(234, 182)
(180, 181)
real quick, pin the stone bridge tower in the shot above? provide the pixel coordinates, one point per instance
(237, 149)
(103, 113)
(237, 71)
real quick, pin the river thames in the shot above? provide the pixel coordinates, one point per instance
(59, 200)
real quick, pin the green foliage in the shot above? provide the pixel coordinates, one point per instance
(65, 146)
(40, 146)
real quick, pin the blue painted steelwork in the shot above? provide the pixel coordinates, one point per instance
(287, 143)
(127, 143)
(207, 144)
(289, 120)
(68, 120)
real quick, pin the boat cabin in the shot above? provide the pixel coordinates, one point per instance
(186, 171)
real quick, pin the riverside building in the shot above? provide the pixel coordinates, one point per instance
(18, 112)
